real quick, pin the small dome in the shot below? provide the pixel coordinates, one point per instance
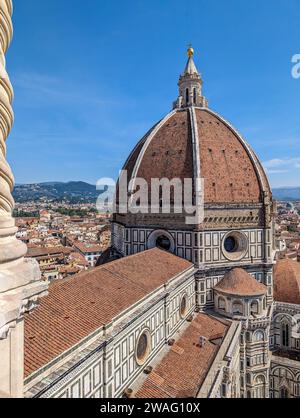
(287, 281)
(238, 282)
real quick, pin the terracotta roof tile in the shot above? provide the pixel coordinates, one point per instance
(88, 247)
(169, 153)
(77, 306)
(287, 281)
(238, 282)
(229, 172)
(44, 251)
(182, 374)
(227, 169)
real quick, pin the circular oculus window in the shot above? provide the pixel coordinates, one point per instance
(163, 243)
(161, 239)
(143, 347)
(230, 244)
(235, 245)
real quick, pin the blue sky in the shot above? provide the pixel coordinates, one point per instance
(92, 77)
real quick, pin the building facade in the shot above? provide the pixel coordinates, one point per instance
(91, 252)
(185, 309)
(217, 318)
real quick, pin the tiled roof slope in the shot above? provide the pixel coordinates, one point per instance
(169, 154)
(43, 251)
(77, 306)
(287, 281)
(183, 369)
(225, 164)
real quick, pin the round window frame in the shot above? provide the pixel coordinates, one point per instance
(142, 361)
(155, 234)
(242, 246)
(185, 313)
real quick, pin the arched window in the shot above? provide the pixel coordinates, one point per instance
(187, 96)
(237, 308)
(195, 95)
(285, 334)
(265, 303)
(259, 336)
(254, 307)
(260, 386)
(221, 304)
(284, 393)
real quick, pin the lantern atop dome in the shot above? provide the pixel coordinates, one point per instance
(190, 85)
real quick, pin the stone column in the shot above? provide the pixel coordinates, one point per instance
(20, 279)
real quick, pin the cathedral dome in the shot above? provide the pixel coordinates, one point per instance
(194, 142)
(193, 172)
(287, 281)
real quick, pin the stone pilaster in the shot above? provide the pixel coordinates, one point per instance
(20, 279)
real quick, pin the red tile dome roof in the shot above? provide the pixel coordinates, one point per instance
(196, 140)
(240, 283)
(287, 281)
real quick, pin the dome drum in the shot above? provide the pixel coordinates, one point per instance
(239, 306)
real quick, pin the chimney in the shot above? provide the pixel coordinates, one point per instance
(202, 341)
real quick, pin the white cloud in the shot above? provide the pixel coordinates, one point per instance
(283, 172)
(44, 87)
(282, 164)
(270, 171)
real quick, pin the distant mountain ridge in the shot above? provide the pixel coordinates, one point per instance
(286, 193)
(82, 191)
(72, 191)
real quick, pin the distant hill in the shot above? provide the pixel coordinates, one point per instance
(74, 191)
(286, 193)
(79, 191)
